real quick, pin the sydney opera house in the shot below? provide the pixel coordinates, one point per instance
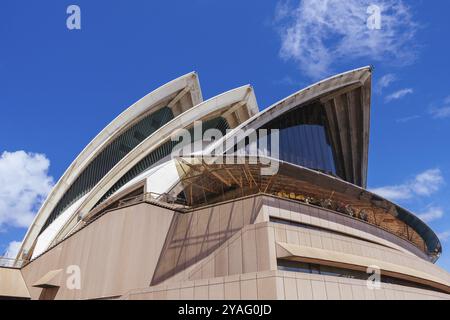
(267, 204)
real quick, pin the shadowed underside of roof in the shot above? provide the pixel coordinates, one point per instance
(221, 112)
(206, 181)
(342, 104)
(324, 140)
(116, 140)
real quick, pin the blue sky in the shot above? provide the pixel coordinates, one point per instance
(60, 87)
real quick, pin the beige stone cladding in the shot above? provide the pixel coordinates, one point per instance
(229, 251)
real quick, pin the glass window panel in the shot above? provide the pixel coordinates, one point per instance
(304, 138)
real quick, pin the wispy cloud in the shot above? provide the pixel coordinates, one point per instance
(288, 81)
(316, 34)
(399, 94)
(432, 214)
(13, 249)
(444, 236)
(408, 119)
(423, 184)
(442, 111)
(24, 184)
(384, 82)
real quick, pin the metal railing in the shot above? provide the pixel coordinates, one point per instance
(6, 262)
(164, 199)
(179, 203)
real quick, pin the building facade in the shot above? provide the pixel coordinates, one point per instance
(180, 198)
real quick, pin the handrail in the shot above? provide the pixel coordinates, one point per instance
(168, 200)
(354, 217)
(11, 263)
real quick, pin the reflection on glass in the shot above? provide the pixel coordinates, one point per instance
(303, 138)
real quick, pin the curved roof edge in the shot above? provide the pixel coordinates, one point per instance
(428, 235)
(233, 101)
(188, 82)
(324, 90)
(409, 218)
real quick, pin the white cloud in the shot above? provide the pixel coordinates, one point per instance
(441, 112)
(288, 81)
(424, 184)
(317, 33)
(447, 100)
(24, 185)
(13, 249)
(400, 192)
(444, 236)
(384, 82)
(399, 94)
(427, 182)
(408, 119)
(433, 213)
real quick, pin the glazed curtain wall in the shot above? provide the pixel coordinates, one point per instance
(108, 158)
(159, 154)
(303, 138)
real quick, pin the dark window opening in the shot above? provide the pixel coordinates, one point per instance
(108, 158)
(304, 139)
